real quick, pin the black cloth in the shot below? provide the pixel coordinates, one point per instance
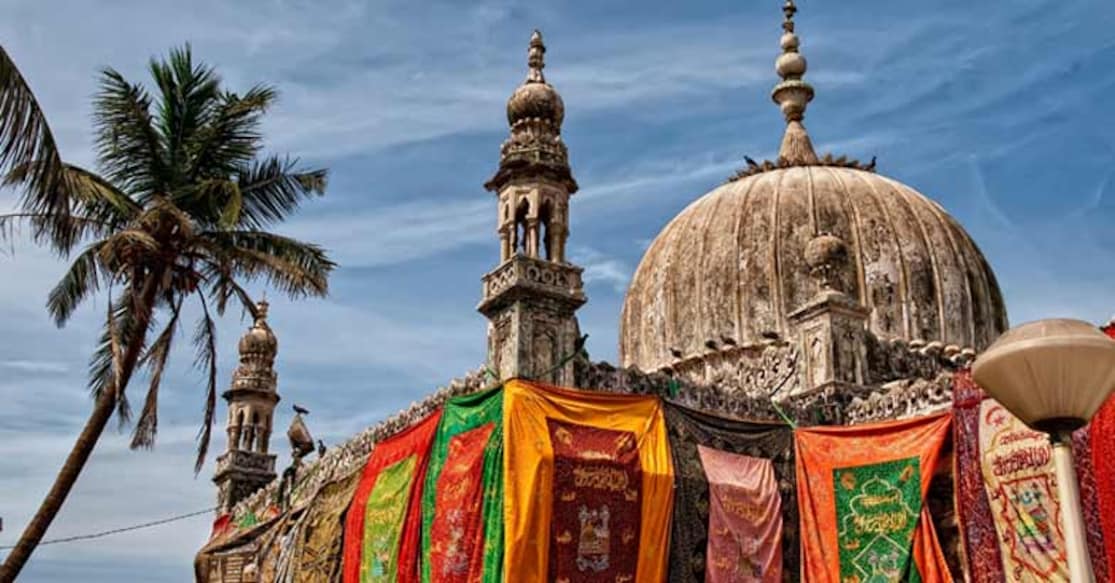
(689, 428)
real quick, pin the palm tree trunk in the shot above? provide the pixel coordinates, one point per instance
(103, 408)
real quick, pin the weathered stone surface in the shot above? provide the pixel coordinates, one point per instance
(733, 265)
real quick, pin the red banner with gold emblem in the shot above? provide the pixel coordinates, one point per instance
(588, 492)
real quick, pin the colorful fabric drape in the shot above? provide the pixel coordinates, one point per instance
(462, 502)
(589, 490)
(1018, 473)
(1102, 442)
(383, 524)
(861, 495)
(317, 550)
(690, 429)
(745, 518)
(1090, 504)
(984, 562)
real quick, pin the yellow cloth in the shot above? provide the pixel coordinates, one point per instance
(532, 413)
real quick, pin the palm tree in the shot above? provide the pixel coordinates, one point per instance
(177, 212)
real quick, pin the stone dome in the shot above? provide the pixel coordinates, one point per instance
(535, 100)
(733, 266)
(259, 339)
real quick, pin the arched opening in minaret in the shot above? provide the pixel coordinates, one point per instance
(545, 216)
(521, 214)
(241, 435)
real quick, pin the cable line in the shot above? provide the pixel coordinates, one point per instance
(81, 537)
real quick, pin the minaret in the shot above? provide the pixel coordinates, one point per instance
(530, 299)
(246, 466)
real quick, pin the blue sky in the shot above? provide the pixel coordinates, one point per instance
(997, 110)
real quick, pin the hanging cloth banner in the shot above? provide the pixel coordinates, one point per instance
(861, 496)
(1090, 504)
(462, 502)
(1018, 473)
(745, 518)
(1101, 436)
(383, 524)
(984, 561)
(589, 490)
(1006, 494)
(316, 557)
(692, 551)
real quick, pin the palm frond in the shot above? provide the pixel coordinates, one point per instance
(81, 280)
(95, 207)
(233, 137)
(205, 341)
(189, 96)
(147, 426)
(129, 148)
(290, 266)
(274, 187)
(25, 137)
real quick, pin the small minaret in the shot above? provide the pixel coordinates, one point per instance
(246, 465)
(531, 298)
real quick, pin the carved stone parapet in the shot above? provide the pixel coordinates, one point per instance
(523, 276)
(902, 399)
(246, 462)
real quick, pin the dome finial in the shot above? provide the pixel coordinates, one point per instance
(793, 94)
(535, 58)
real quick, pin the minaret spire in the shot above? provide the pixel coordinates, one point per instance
(793, 94)
(535, 58)
(532, 295)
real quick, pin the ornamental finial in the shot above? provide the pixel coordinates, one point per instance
(792, 94)
(535, 58)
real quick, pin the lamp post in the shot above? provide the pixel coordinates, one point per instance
(1054, 375)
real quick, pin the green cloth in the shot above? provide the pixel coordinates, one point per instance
(462, 415)
(877, 508)
(383, 526)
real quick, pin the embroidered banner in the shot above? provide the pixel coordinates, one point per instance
(984, 562)
(462, 505)
(745, 518)
(382, 526)
(598, 484)
(1017, 465)
(589, 490)
(317, 542)
(688, 430)
(861, 494)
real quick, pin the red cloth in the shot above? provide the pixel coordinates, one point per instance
(457, 533)
(1102, 440)
(413, 441)
(977, 524)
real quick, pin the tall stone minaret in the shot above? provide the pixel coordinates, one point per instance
(531, 298)
(246, 465)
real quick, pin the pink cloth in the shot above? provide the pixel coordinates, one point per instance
(745, 519)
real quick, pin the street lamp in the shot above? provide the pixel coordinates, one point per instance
(1053, 375)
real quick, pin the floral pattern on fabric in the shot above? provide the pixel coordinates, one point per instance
(384, 518)
(457, 534)
(462, 505)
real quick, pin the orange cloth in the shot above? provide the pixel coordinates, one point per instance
(610, 447)
(822, 451)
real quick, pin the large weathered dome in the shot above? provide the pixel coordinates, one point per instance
(732, 266)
